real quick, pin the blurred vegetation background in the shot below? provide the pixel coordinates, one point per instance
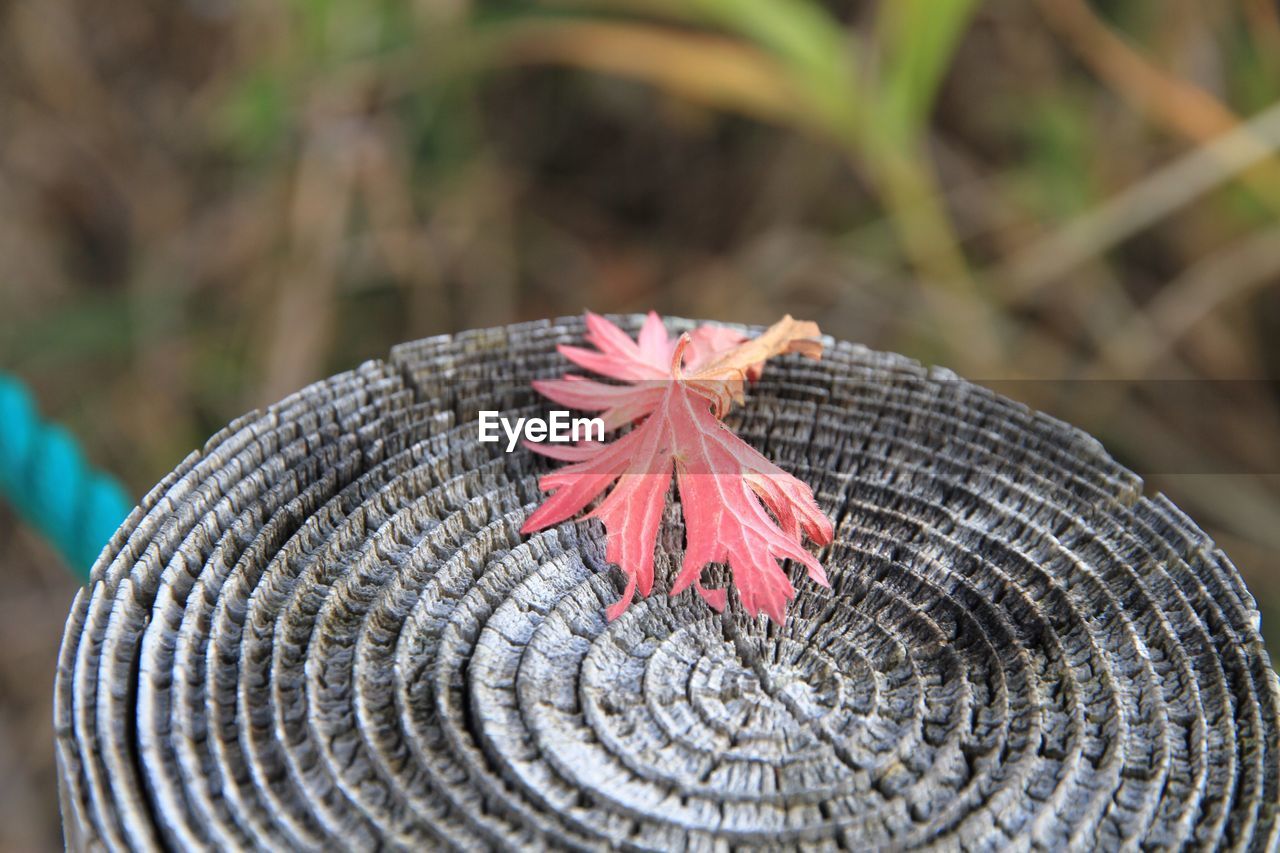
(206, 204)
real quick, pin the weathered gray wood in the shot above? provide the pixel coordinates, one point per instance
(325, 628)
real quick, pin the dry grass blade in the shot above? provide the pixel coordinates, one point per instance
(1165, 190)
(1177, 104)
(712, 70)
(1234, 272)
(302, 317)
(795, 64)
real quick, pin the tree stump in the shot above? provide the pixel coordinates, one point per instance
(325, 630)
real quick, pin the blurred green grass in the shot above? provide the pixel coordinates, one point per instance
(205, 205)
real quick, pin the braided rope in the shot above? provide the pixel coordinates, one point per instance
(44, 474)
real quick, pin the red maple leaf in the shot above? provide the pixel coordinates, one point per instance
(646, 363)
(727, 489)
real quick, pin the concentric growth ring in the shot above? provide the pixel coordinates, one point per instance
(325, 628)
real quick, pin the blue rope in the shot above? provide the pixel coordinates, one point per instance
(45, 476)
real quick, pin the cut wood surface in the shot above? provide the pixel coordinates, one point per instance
(325, 630)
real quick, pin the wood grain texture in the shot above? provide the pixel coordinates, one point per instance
(324, 629)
